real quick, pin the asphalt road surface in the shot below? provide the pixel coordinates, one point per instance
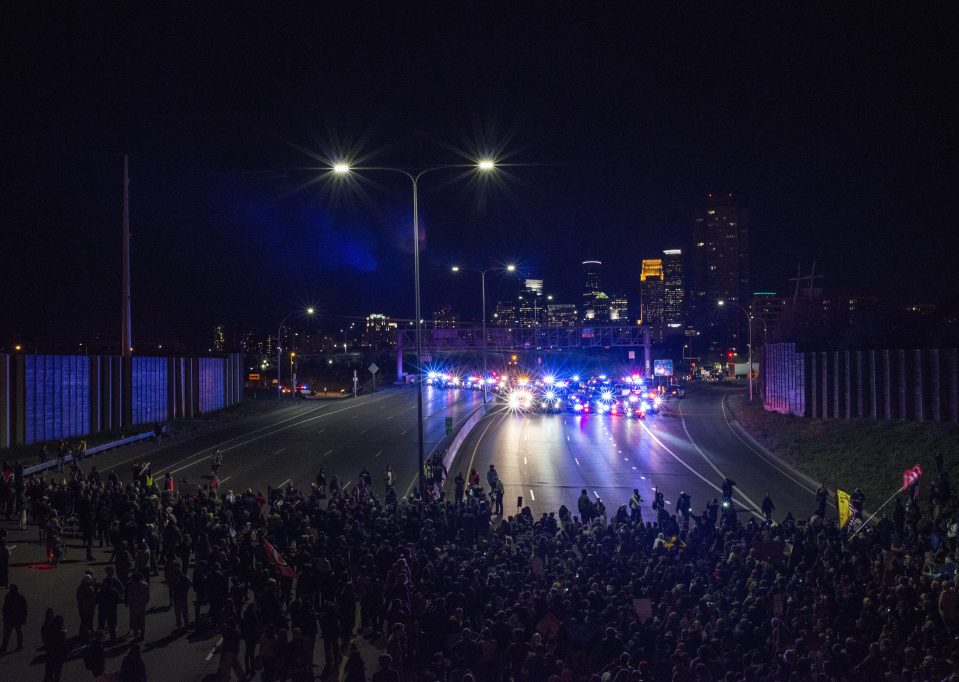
(288, 443)
(547, 459)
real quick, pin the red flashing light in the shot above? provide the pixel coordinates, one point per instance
(730, 355)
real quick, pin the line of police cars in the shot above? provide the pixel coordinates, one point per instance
(628, 396)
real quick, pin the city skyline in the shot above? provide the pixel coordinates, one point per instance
(231, 218)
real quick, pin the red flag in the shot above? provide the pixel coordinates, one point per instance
(279, 563)
(911, 476)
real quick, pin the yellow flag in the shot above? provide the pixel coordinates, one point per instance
(842, 501)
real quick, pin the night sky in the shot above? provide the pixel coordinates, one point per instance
(838, 131)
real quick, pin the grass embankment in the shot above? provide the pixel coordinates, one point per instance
(854, 453)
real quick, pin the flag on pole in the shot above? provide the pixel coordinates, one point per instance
(910, 478)
(845, 507)
(279, 563)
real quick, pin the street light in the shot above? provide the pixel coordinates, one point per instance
(508, 268)
(279, 351)
(749, 326)
(344, 168)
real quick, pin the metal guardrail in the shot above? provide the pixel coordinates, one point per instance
(50, 464)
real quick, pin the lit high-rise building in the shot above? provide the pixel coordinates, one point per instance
(595, 302)
(720, 270)
(652, 288)
(219, 338)
(561, 315)
(619, 309)
(379, 332)
(674, 284)
(504, 315)
(444, 318)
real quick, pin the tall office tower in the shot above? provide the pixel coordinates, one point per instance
(652, 289)
(379, 332)
(674, 284)
(591, 290)
(504, 314)
(219, 338)
(561, 315)
(720, 271)
(530, 304)
(619, 309)
(444, 318)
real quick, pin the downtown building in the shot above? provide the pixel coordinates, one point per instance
(720, 272)
(652, 288)
(596, 303)
(674, 290)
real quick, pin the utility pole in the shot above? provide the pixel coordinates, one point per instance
(126, 332)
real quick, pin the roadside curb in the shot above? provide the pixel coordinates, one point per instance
(741, 431)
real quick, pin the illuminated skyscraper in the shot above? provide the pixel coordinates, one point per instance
(720, 270)
(595, 302)
(652, 289)
(675, 288)
(219, 338)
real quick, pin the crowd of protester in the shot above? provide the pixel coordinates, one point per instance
(448, 590)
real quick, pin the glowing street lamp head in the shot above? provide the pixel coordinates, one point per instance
(486, 164)
(309, 311)
(720, 302)
(511, 268)
(455, 268)
(341, 168)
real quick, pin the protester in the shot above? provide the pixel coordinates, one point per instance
(14, 616)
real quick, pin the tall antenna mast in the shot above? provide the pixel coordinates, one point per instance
(126, 331)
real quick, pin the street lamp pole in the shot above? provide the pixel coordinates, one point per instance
(279, 352)
(749, 326)
(414, 178)
(508, 268)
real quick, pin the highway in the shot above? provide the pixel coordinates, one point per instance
(291, 443)
(547, 459)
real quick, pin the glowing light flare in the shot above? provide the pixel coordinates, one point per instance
(549, 380)
(486, 164)
(341, 168)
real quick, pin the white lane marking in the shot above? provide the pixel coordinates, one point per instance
(531, 495)
(320, 431)
(692, 471)
(524, 461)
(596, 494)
(761, 454)
(328, 452)
(709, 461)
(567, 439)
(390, 417)
(576, 459)
(379, 452)
(642, 477)
(625, 459)
(525, 436)
(276, 452)
(363, 431)
(225, 480)
(203, 452)
(404, 432)
(634, 468)
(346, 485)
(355, 416)
(280, 485)
(215, 647)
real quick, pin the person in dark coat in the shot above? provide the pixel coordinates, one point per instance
(94, 656)
(14, 616)
(56, 646)
(132, 669)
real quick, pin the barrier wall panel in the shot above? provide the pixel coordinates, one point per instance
(149, 390)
